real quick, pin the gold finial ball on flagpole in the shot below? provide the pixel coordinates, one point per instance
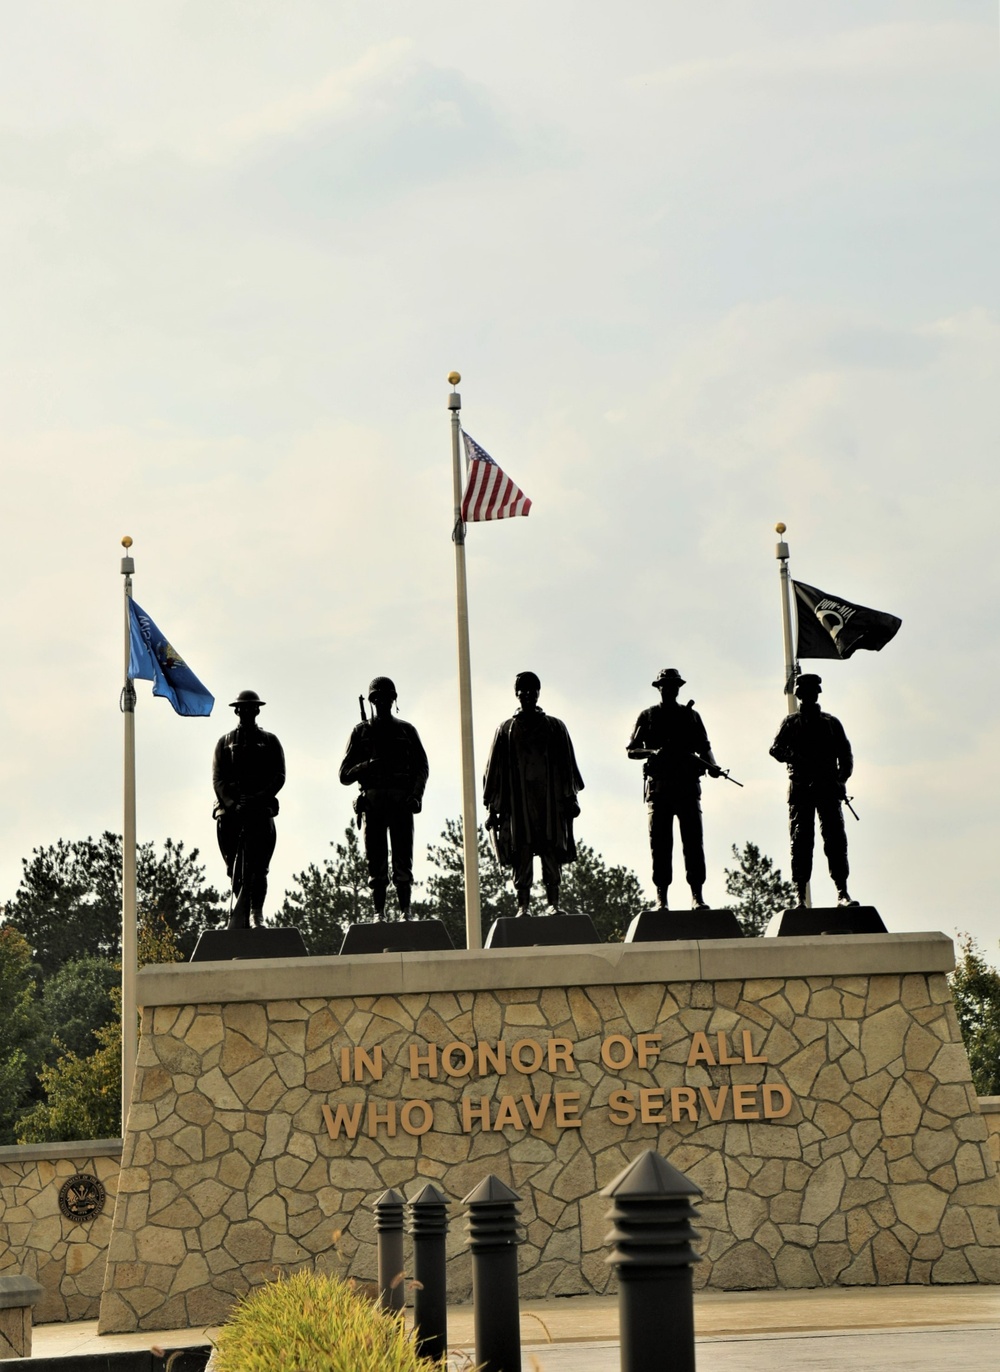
(454, 378)
(126, 542)
(779, 528)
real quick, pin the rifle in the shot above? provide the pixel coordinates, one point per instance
(847, 802)
(361, 705)
(723, 772)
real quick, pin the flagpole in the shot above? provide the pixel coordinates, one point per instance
(781, 553)
(470, 826)
(129, 948)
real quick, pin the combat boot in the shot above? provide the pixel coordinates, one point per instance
(661, 898)
(698, 901)
(844, 897)
(403, 894)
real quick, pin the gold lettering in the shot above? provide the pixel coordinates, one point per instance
(771, 1111)
(724, 1059)
(428, 1060)
(744, 1099)
(348, 1119)
(468, 1059)
(622, 1109)
(564, 1105)
(388, 1119)
(684, 1100)
(561, 1051)
(365, 1062)
(537, 1117)
(517, 1056)
(748, 1053)
(651, 1098)
(508, 1113)
(496, 1058)
(345, 1064)
(628, 1052)
(649, 1048)
(481, 1112)
(714, 1107)
(406, 1117)
(701, 1051)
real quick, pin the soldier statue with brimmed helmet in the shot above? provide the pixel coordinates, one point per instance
(671, 742)
(248, 771)
(387, 760)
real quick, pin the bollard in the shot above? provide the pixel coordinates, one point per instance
(389, 1228)
(427, 1222)
(493, 1240)
(652, 1256)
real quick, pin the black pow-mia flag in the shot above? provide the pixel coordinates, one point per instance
(832, 627)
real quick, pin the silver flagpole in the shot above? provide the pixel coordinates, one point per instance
(470, 827)
(781, 553)
(129, 940)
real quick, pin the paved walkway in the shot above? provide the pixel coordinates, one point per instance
(874, 1329)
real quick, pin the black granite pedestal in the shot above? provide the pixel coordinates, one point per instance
(663, 926)
(404, 936)
(827, 919)
(541, 931)
(222, 945)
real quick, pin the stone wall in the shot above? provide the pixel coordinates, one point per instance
(990, 1108)
(826, 1112)
(66, 1256)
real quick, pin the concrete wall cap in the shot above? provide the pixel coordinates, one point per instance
(17, 1291)
(78, 1151)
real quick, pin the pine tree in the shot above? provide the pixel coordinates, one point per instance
(760, 890)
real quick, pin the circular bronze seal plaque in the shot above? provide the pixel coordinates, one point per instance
(82, 1198)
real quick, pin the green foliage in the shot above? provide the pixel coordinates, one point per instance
(446, 885)
(20, 1028)
(75, 1001)
(610, 895)
(975, 987)
(69, 902)
(313, 1322)
(325, 900)
(759, 888)
(82, 1093)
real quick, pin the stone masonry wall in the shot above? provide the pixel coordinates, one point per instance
(877, 1172)
(65, 1256)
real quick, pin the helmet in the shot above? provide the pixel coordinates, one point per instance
(382, 683)
(247, 698)
(669, 674)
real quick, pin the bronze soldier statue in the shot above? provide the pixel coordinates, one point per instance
(385, 756)
(530, 791)
(819, 759)
(673, 745)
(248, 771)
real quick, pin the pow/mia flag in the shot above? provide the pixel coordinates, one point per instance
(832, 627)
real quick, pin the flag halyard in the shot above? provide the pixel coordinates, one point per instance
(489, 492)
(153, 658)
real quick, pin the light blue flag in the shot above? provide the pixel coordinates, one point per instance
(153, 658)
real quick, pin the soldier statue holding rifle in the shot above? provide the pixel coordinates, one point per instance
(673, 746)
(248, 771)
(385, 756)
(820, 762)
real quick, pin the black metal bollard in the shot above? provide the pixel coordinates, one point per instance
(427, 1222)
(652, 1254)
(493, 1240)
(389, 1228)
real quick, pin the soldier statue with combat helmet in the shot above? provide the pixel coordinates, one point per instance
(248, 771)
(386, 758)
(671, 741)
(814, 746)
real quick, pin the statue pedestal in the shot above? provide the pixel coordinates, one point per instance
(222, 945)
(404, 936)
(827, 919)
(541, 931)
(662, 926)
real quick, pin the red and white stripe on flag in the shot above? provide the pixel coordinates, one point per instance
(489, 493)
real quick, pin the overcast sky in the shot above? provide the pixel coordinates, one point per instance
(702, 267)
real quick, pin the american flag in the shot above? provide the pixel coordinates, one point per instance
(489, 494)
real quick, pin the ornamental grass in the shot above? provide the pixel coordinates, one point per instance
(313, 1322)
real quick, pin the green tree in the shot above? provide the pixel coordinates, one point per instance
(20, 1028)
(759, 888)
(68, 904)
(325, 900)
(611, 896)
(975, 987)
(75, 1001)
(446, 884)
(82, 1093)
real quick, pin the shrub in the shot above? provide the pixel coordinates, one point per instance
(313, 1322)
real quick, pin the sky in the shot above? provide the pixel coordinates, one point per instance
(702, 268)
